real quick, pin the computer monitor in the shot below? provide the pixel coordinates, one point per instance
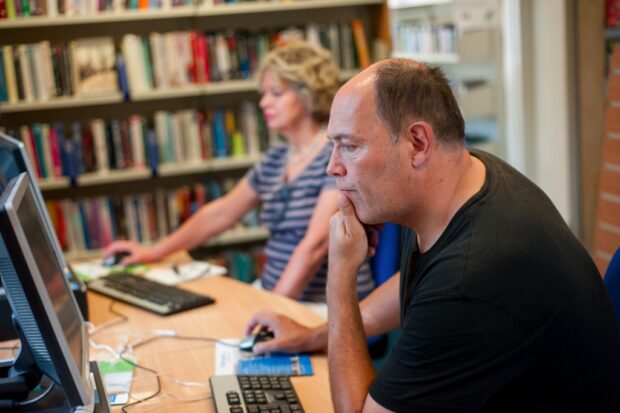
(13, 161)
(40, 297)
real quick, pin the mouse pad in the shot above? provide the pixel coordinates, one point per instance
(276, 364)
(230, 360)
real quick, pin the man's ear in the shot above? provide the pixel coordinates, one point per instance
(420, 138)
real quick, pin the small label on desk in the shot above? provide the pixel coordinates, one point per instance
(117, 377)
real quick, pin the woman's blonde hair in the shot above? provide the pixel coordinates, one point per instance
(309, 70)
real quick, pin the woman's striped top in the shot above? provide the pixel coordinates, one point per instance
(287, 209)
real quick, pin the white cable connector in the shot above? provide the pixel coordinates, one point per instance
(165, 333)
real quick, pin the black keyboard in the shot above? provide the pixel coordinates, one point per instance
(254, 394)
(149, 295)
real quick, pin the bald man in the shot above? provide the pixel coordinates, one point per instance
(499, 305)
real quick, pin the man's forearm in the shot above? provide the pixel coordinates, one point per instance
(350, 367)
(381, 309)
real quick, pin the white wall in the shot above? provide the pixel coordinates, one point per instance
(542, 142)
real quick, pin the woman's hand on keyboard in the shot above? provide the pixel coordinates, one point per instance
(289, 335)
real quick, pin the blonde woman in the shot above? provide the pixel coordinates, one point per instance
(298, 82)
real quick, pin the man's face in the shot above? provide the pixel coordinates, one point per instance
(368, 167)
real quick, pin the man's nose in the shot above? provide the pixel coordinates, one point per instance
(335, 167)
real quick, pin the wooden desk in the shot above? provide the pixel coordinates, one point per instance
(194, 360)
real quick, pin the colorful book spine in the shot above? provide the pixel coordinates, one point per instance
(4, 90)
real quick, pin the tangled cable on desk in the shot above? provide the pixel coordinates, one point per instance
(127, 347)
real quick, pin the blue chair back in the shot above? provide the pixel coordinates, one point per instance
(384, 264)
(387, 258)
(612, 283)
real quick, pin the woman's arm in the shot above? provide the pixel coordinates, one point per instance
(311, 250)
(210, 220)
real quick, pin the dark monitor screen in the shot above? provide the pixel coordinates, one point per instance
(52, 274)
(39, 293)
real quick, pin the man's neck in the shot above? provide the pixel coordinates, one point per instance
(459, 177)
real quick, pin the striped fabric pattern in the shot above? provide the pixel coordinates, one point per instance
(287, 210)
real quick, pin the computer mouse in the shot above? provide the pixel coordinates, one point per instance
(115, 259)
(247, 344)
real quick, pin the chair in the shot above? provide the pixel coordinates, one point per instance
(384, 264)
(612, 283)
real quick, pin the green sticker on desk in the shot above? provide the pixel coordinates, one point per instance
(117, 377)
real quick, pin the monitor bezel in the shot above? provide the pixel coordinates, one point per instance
(75, 380)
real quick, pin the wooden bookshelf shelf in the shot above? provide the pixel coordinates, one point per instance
(232, 86)
(230, 237)
(208, 89)
(114, 176)
(179, 12)
(239, 236)
(138, 174)
(276, 6)
(61, 103)
(172, 93)
(212, 165)
(404, 4)
(102, 17)
(48, 184)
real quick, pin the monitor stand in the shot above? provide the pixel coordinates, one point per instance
(18, 377)
(78, 287)
(55, 402)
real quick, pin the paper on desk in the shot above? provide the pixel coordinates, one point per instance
(184, 272)
(91, 270)
(230, 360)
(117, 377)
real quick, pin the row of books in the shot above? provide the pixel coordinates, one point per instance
(35, 72)
(416, 37)
(10, 9)
(244, 265)
(95, 222)
(169, 138)
(45, 71)
(177, 59)
(24, 8)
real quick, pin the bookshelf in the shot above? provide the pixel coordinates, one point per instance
(201, 10)
(145, 175)
(200, 97)
(427, 30)
(231, 237)
(193, 91)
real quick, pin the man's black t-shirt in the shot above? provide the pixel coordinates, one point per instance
(506, 312)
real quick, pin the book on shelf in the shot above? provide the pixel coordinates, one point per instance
(24, 8)
(187, 136)
(158, 61)
(93, 223)
(361, 45)
(93, 62)
(43, 71)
